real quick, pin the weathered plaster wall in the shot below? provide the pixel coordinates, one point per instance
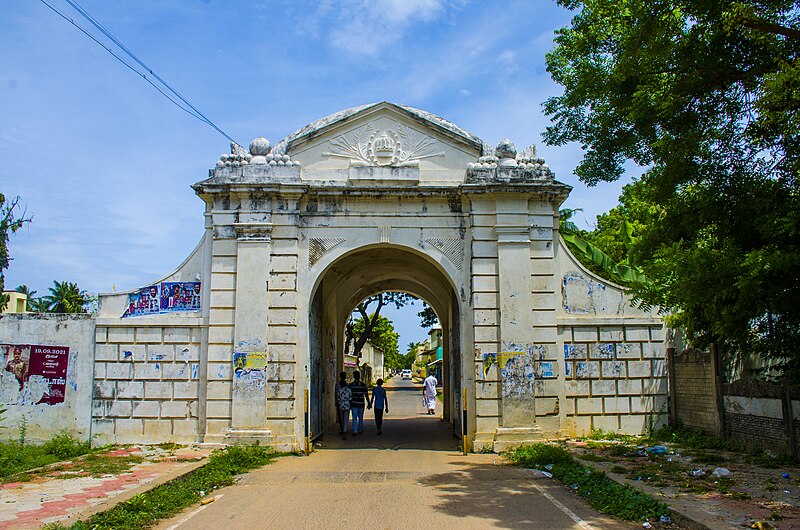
(518, 381)
(542, 347)
(146, 378)
(43, 420)
(613, 356)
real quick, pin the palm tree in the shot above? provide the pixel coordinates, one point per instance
(65, 297)
(38, 305)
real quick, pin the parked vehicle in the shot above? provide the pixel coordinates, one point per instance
(406, 374)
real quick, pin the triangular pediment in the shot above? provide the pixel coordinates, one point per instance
(381, 135)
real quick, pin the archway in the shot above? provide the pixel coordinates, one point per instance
(350, 279)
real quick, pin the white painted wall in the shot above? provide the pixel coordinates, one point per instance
(77, 332)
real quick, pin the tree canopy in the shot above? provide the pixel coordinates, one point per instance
(704, 96)
(66, 297)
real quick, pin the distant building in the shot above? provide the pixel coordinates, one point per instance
(430, 355)
(371, 363)
(18, 302)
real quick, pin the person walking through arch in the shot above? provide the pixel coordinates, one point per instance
(342, 395)
(357, 402)
(429, 393)
(381, 403)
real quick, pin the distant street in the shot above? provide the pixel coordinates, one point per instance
(412, 476)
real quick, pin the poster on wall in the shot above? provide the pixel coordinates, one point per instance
(16, 360)
(166, 297)
(44, 365)
(244, 362)
(180, 296)
(145, 301)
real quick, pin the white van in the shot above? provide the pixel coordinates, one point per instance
(406, 373)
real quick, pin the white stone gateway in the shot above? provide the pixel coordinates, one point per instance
(375, 198)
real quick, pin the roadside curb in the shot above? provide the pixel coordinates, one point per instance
(111, 502)
(681, 512)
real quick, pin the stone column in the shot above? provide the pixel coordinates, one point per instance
(516, 311)
(249, 407)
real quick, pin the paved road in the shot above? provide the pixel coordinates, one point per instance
(413, 476)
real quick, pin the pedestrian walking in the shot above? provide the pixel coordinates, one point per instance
(357, 403)
(342, 395)
(429, 393)
(381, 403)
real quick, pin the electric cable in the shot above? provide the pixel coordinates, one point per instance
(191, 110)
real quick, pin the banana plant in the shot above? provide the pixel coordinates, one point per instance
(622, 273)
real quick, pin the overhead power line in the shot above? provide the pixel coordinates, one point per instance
(182, 103)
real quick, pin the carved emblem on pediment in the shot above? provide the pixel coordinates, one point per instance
(370, 146)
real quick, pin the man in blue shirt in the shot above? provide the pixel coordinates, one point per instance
(381, 403)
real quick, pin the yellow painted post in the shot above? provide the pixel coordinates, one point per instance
(464, 429)
(308, 427)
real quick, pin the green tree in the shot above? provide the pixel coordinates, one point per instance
(369, 321)
(703, 94)
(382, 335)
(428, 317)
(411, 354)
(66, 297)
(11, 220)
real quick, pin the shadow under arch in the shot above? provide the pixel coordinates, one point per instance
(349, 279)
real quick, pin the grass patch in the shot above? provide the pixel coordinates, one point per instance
(600, 492)
(17, 458)
(768, 460)
(169, 446)
(692, 439)
(170, 498)
(622, 450)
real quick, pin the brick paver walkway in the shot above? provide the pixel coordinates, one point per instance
(49, 499)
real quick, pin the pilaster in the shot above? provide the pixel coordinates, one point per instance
(249, 394)
(516, 302)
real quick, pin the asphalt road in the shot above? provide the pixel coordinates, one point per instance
(413, 476)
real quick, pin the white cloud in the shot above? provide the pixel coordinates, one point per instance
(464, 92)
(361, 27)
(508, 61)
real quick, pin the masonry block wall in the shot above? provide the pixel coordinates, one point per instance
(283, 366)
(757, 415)
(146, 381)
(593, 361)
(616, 378)
(695, 398)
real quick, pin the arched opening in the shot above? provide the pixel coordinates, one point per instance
(351, 279)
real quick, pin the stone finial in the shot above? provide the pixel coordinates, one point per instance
(505, 149)
(507, 153)
(259, 149)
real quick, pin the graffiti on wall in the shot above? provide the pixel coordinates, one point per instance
(33, 373)
(164, 297)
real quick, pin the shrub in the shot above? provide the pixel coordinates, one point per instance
(600, 492)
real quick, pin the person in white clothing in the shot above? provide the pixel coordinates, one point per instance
(429, 393)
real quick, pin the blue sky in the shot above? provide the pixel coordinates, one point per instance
(103, 162)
